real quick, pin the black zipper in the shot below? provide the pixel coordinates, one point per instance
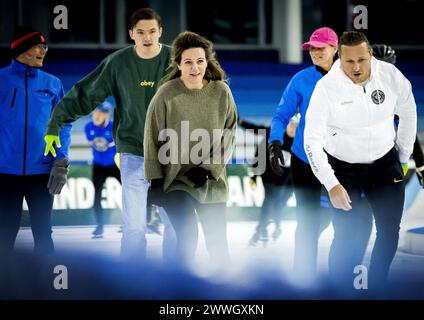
(13, 98)
(26, 116)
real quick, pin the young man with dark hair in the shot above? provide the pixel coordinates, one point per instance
(27, 99)
(131, 75)
(353, 148)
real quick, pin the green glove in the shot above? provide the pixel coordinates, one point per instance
(404, 168)
(117, 159)
(50, 140)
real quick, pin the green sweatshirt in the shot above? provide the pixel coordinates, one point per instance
(131, 80)
(192, 115)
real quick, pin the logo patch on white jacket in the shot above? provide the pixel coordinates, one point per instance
(378, 96)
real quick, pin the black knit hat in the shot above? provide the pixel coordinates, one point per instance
(24, 38)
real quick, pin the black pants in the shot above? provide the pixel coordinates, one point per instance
(13, 189)
(100, 174)
(181, 209)
(381, 183)
(312, 219)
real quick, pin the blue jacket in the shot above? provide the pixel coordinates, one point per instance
(27, 98)
(295, 99)
(102, 144)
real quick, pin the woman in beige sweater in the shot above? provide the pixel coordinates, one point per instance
(189, 136)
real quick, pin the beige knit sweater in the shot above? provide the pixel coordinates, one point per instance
(201, 129)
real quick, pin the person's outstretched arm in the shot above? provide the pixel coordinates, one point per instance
(83, 98)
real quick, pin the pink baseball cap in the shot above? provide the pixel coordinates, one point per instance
(322, 37)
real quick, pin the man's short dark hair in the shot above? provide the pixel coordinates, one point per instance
(144, 14)
(352, 38)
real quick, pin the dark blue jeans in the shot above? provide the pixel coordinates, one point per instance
(13, 189)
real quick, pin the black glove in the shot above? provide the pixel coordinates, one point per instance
(198, 176)
(155, 194)
(58, 175)
(420, 172)
(276, 158)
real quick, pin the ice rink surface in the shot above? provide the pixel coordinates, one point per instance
(250, 266)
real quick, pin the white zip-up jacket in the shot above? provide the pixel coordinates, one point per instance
(355, 123)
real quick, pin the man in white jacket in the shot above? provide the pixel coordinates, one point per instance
(354, 149)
